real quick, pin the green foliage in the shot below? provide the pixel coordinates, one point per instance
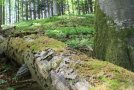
(65, 31)
(2, 81)
(10, 88)
(113, 83)
(55, 33)
(55, 22)
(75, 30)
(77, 43)
(5, 68)
(1, 1)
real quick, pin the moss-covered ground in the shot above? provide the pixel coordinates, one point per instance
(76, 31)
(101, 75)
(106, 76)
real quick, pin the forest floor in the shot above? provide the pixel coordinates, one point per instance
(78, 33)
(8, 80)
(7, 72)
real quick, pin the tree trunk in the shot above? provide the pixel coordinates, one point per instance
(34, 3)
(0, 16)
(10, 11)
(30, 10)
(38, 1)
(3, 12)
(68, 7)
(22, 12)
(114, 39)
(78, 6)
(51, 7)
(26, 11)
(55, 7)
(56, 67)
(91, 5)
(18, 11)
(72, 6)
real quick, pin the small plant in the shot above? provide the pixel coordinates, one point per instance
(75, 30)
(10, 88)
(2, 81)
(77, 43)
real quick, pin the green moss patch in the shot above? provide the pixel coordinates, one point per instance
(38, 43)
(105, 76)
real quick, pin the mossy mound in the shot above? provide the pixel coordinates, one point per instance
(32, 43)
(37, 43)
(103, 75)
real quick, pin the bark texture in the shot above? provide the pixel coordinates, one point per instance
(114, 39)
(0, 15)
(56, 67)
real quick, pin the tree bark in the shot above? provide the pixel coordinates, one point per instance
(10, 11)
(0, 16)
(18, 18)
(114, 40)
(34, 11)
(26, 11)
(3, 12)
(56, 67)
(90, 5)
(78, 6)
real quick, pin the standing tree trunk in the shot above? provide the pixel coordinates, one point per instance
(68, 7)
(114, 39)
(30, 10)
(10, 11)
(26, 11)
(55, 8)
(78, 6)
(34, 11)
(3, 12)
(73, 9)
(38, 10)
(61, 7)
(90, 5)
(0, 15)
(18, 11)
(51, 7)
(22, 10)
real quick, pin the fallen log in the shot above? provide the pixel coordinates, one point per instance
(55, 67)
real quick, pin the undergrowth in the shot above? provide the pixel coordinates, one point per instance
(76, 31)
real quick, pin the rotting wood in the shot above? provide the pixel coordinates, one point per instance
(55, 67)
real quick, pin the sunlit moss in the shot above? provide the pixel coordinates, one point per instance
(38, 43)
(104, 75)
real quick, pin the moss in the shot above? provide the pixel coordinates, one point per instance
(103, 75)
(113, 84)
(39, 43)
(45, 43)
(111, 42)
(17, 47)
(97, 73)
(3, 45)
(64, 28)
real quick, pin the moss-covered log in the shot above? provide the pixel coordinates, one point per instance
(56, 67)
(114, 39)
